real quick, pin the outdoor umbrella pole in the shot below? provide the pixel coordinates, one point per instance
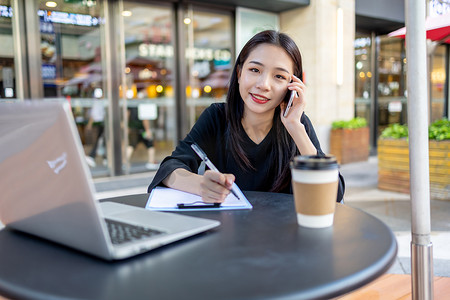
(421, 247)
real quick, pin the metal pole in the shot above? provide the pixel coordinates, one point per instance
(181, 79)
(421, 246)
(20, 46)
(111, 84)
(33, 37)
(374, 117)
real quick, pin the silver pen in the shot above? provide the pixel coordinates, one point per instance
(202, 155)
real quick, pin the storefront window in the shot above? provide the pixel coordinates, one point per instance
(72, 69)
(438, 83)
(363, 77)
(149, 84)
(73, 59)
(209, 59)
(392, 101)
(7, 73)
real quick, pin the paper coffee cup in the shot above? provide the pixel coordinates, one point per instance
(315, 183)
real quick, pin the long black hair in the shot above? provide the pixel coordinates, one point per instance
(285, 149)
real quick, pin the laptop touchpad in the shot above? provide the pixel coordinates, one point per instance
(112, 208)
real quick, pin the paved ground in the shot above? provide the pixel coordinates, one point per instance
(395, 210)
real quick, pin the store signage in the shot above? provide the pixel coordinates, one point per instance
(208, 54)
(395, 106)
(48, 72)
(68, 18)
(48, 50)
(8, 77)
(164, 51)
(6, 11)
(439, 7)
(362, 42)
(151, 50)
(57, 17)
(147, 111)
(46, 27)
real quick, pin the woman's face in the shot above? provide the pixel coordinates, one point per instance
(263, 78)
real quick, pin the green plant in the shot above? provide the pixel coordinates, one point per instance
(395, 131)
(350, 124)
(439, 130)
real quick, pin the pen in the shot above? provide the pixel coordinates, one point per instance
(210, 165)
(206, 205)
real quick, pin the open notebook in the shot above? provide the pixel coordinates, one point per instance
(166, 199)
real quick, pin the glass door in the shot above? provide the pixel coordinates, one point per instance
(438, 82)
(148, 84)
(209, 54)
(364, 74)
(392, 92)
(7, 72)
(71, 60)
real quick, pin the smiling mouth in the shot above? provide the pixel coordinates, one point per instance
(259, 99)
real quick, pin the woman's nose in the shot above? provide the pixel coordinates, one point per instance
(263, 82)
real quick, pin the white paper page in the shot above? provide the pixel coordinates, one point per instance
(162, 198)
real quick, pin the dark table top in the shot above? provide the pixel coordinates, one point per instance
(255, 254)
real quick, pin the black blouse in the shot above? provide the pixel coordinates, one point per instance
(209, 132)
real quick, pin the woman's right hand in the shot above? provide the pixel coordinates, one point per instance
(215, 186)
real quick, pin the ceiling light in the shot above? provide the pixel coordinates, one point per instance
(51, 4)
(89, 3)
(127, 13)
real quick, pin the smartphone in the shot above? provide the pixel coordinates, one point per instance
(289, 104)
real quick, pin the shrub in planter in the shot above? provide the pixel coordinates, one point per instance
(393, 159)
(349, 140)
(439, 130)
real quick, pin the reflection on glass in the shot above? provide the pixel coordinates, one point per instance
(391, 83)
(438, 83)
(364, 77)
(208, 56)
(149, 84)
(72, 70)
(7, 76)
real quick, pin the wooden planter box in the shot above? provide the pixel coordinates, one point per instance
(350, 145)
(393, 167)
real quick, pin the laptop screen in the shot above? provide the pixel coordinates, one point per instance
(46, 186)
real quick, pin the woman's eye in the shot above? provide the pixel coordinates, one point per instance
(281, 77)
(254, 70)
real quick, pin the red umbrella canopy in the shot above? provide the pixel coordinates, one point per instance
(438, 29)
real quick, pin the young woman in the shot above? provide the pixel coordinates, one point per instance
(248, 138)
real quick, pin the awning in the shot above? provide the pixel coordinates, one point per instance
(437, 29)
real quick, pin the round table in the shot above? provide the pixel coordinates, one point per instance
(255, 254)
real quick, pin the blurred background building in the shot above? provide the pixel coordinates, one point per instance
(133, 67)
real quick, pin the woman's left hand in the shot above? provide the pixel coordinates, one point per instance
(292, 120)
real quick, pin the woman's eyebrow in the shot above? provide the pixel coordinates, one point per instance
(260, 64)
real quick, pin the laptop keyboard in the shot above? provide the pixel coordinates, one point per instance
(123, 233)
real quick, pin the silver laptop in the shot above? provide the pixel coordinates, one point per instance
(46, 189)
